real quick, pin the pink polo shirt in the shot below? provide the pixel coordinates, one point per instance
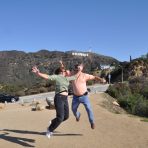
(79, 85)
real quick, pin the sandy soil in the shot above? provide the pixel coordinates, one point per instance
(21, 127)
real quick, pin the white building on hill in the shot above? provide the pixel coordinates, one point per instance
(107, 67)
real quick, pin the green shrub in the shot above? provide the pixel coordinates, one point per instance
(20, 93)
(139, 85)
(122, 100)
(112, 91)
(131, 97)
(43, 90)
(144, 92)
(119, 89)
(141, 108)
(90, 82)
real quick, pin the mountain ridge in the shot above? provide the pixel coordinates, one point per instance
(15, 66)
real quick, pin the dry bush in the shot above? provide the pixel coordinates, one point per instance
(2, 105)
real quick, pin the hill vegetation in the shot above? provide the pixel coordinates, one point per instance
(15, 68)
(132, 94)
(129, 70)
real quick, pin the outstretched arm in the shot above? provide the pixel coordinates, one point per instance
(38, 73)
(102, 80)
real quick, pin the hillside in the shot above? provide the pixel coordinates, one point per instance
(15, 66)
(131, 70)
(138, 68)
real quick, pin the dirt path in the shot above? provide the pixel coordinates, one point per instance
(21, 127)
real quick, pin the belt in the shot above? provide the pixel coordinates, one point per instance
(86, 93)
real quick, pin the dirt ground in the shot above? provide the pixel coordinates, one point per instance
(21, 127)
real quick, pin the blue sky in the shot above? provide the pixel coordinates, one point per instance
(117, 28)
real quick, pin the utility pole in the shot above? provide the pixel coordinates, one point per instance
(109, 76)
(130, 58)
(121, 73)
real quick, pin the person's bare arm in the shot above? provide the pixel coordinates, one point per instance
(102, 80)
(61, 64)
(38, 73)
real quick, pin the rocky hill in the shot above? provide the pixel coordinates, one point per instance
(15, 66)
(137, 68)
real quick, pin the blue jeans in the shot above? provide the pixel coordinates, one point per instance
(85, 101)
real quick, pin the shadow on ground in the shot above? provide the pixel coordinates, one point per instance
(17, 140)
(25, 141)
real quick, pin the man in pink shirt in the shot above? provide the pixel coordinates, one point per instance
(81, 95)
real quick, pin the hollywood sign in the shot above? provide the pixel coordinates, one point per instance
(80, 54)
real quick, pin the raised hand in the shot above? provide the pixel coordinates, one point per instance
(35, 69)
(61, 62)
(103, 80)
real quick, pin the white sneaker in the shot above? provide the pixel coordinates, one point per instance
(49, 134)
(49, 122)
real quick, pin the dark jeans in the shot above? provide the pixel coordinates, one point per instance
(62, 111)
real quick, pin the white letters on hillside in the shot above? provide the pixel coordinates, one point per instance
(80, 54)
